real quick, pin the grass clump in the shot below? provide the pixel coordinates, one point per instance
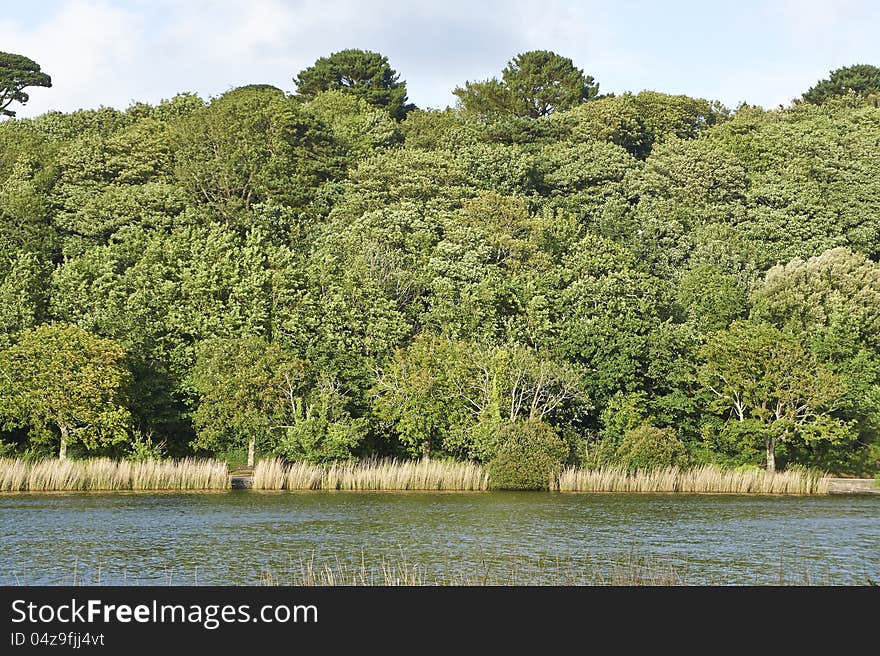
(706, 479)
(426, 474)
(104, 474)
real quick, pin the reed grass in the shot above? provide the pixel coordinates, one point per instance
(706, 479)
(564, 570)
(104, 474)
(272, 474)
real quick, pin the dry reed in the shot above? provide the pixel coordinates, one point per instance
(425, 474)
(706, 479)
(104, 474)
(564, 570)
(272, 474)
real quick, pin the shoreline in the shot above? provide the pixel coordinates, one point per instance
(836, 487)
(426, 475)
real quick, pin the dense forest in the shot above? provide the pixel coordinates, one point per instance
(332, 273)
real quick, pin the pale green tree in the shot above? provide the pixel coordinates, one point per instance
(67, 386)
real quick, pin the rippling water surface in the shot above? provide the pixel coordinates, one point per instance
(235, 537)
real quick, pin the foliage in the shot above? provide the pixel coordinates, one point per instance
(533, 84)
(253, 145)
(143, 448)
(426, 278)
(59, 377)
(362, 73)
(244, 386)
(530, 457)
(753, 371)
(860, 79)
(648, 447)
(17, 72)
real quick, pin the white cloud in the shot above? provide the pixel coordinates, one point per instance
(113, 52)
(88, 48)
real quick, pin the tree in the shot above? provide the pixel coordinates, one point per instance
(360, 128)
(362, 73)
(17, 72)
(860, 79)
(533, 84)
(63, 377)
(249, 389)
(454, 396)
(832, 303)
(245, 387)
(756, 373)
(543, 82)
(253, 145)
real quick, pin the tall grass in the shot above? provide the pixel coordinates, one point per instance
(622, 569)
(105, 474)
(272, 474)
(707, 479)
(424, 474)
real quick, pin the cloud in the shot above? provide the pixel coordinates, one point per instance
(113, 52)
(88, 48)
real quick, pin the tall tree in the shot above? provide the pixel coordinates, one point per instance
(250, 146)
(62, 377)
(755, 373)
(363, 73)
(17, 72)
(533, 84)
(861, 79)
(244, 386)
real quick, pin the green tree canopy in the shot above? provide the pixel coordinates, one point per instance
(758, 374)
(363, 73)
(59, 377)
(245, 387)
(17, 72)
(253, 145)
(533, 84)
(860, 79)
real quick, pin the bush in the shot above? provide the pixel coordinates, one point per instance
(142, 447)
(530, 455)
(647, 447)
(318, 440)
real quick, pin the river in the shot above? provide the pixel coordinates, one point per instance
(246, 537)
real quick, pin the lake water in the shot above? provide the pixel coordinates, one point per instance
(237, 537)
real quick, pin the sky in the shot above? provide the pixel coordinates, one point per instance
(116, 52)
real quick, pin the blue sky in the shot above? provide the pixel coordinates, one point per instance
(114, 52)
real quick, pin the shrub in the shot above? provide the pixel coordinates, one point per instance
(143, 447)
(317, 439)
(647, 447)
(530, 455)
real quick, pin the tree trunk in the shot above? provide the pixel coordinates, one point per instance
(251, 446)
(770, 444)
(62, 450)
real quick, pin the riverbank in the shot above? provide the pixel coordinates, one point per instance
(103, 474)
(272, 474)
(852, 486)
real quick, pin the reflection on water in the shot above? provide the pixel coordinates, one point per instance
(231, 537)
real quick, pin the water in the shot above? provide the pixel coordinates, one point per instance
(234, 537)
